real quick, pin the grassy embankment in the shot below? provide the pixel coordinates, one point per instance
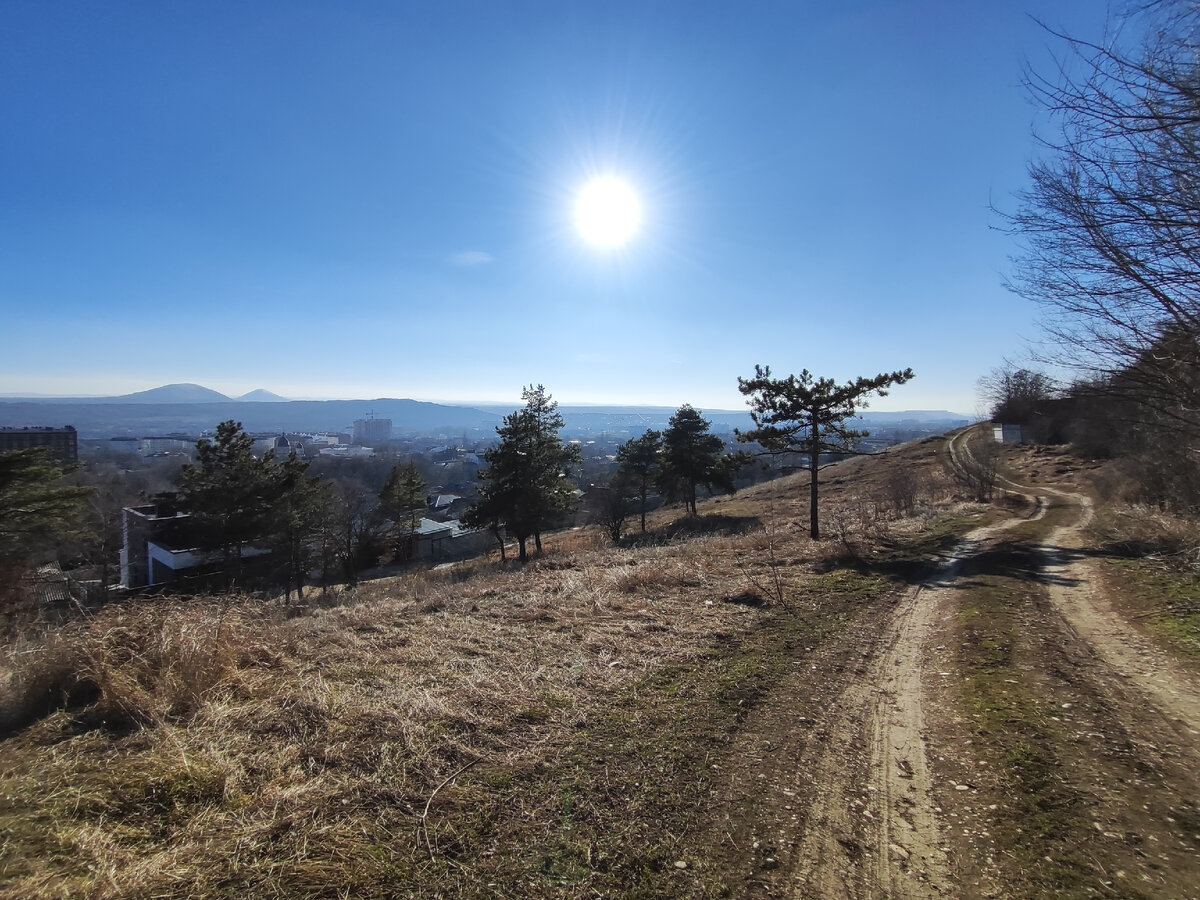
(1151, 562)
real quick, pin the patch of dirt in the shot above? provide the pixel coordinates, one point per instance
(866, 773)
(1079, 593)
(831, 793)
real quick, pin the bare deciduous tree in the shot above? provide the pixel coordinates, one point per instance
(1111, 222)
(610, 506)
(900, 488)
(977, 469)
(1013, 394)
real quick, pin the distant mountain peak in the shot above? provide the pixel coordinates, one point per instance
(261, 395)
(174, 393)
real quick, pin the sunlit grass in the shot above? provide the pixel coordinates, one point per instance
(546, 726)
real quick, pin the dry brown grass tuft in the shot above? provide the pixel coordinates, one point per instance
(335, 737)
(150, 662)
(1144, 531)
(40, 676)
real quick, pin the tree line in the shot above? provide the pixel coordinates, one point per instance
(1109, 232)
(236, 500)
(267, 520)
(237, 506)
(525, 487)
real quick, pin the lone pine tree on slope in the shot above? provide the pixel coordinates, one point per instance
(804, 414)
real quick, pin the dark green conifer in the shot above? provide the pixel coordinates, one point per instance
(525, 484)
(638, 465)
(401, 502)
(37, 509)
(692, 457)
(807, 415)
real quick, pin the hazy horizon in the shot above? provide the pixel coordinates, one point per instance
(877, 406)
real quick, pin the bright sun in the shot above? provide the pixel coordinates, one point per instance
(607, 212)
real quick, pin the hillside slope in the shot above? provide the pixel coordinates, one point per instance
(726, 709)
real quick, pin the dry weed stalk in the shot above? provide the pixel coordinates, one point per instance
(423, 826)
(775, 589)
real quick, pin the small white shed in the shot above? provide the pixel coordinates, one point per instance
(1008, 434)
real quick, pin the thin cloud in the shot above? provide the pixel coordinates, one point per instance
(472, 258)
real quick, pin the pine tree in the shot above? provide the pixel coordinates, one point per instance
(525, 484)
(803, 414)
(503, 502)
(229, 494)
(638, 464)
(295, 518)
(401, 501)
(37, 510)
(692, 457)
(236, 500)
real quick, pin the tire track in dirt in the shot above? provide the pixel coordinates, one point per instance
(1134, 662)
(911, 859)
(909, 839)
(1133, 760)
(873, 827)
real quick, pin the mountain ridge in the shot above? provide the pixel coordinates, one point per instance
(142, 414)
(183, 392)
(261, 395)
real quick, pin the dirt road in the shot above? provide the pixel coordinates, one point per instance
(1152, 676)
(896, 765)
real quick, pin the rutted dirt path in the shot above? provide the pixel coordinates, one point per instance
(1145, 669)
(908, 824)
(886, 840)
(858, 778)
(838, 800)
(1139, 716)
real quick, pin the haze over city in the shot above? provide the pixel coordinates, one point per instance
(631, 203)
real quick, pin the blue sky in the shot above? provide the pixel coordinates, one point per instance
(333, 199)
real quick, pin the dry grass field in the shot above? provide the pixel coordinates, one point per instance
(576, 727)
(465, 730)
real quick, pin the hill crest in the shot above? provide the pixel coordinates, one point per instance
(261, 395)
(184, 392)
